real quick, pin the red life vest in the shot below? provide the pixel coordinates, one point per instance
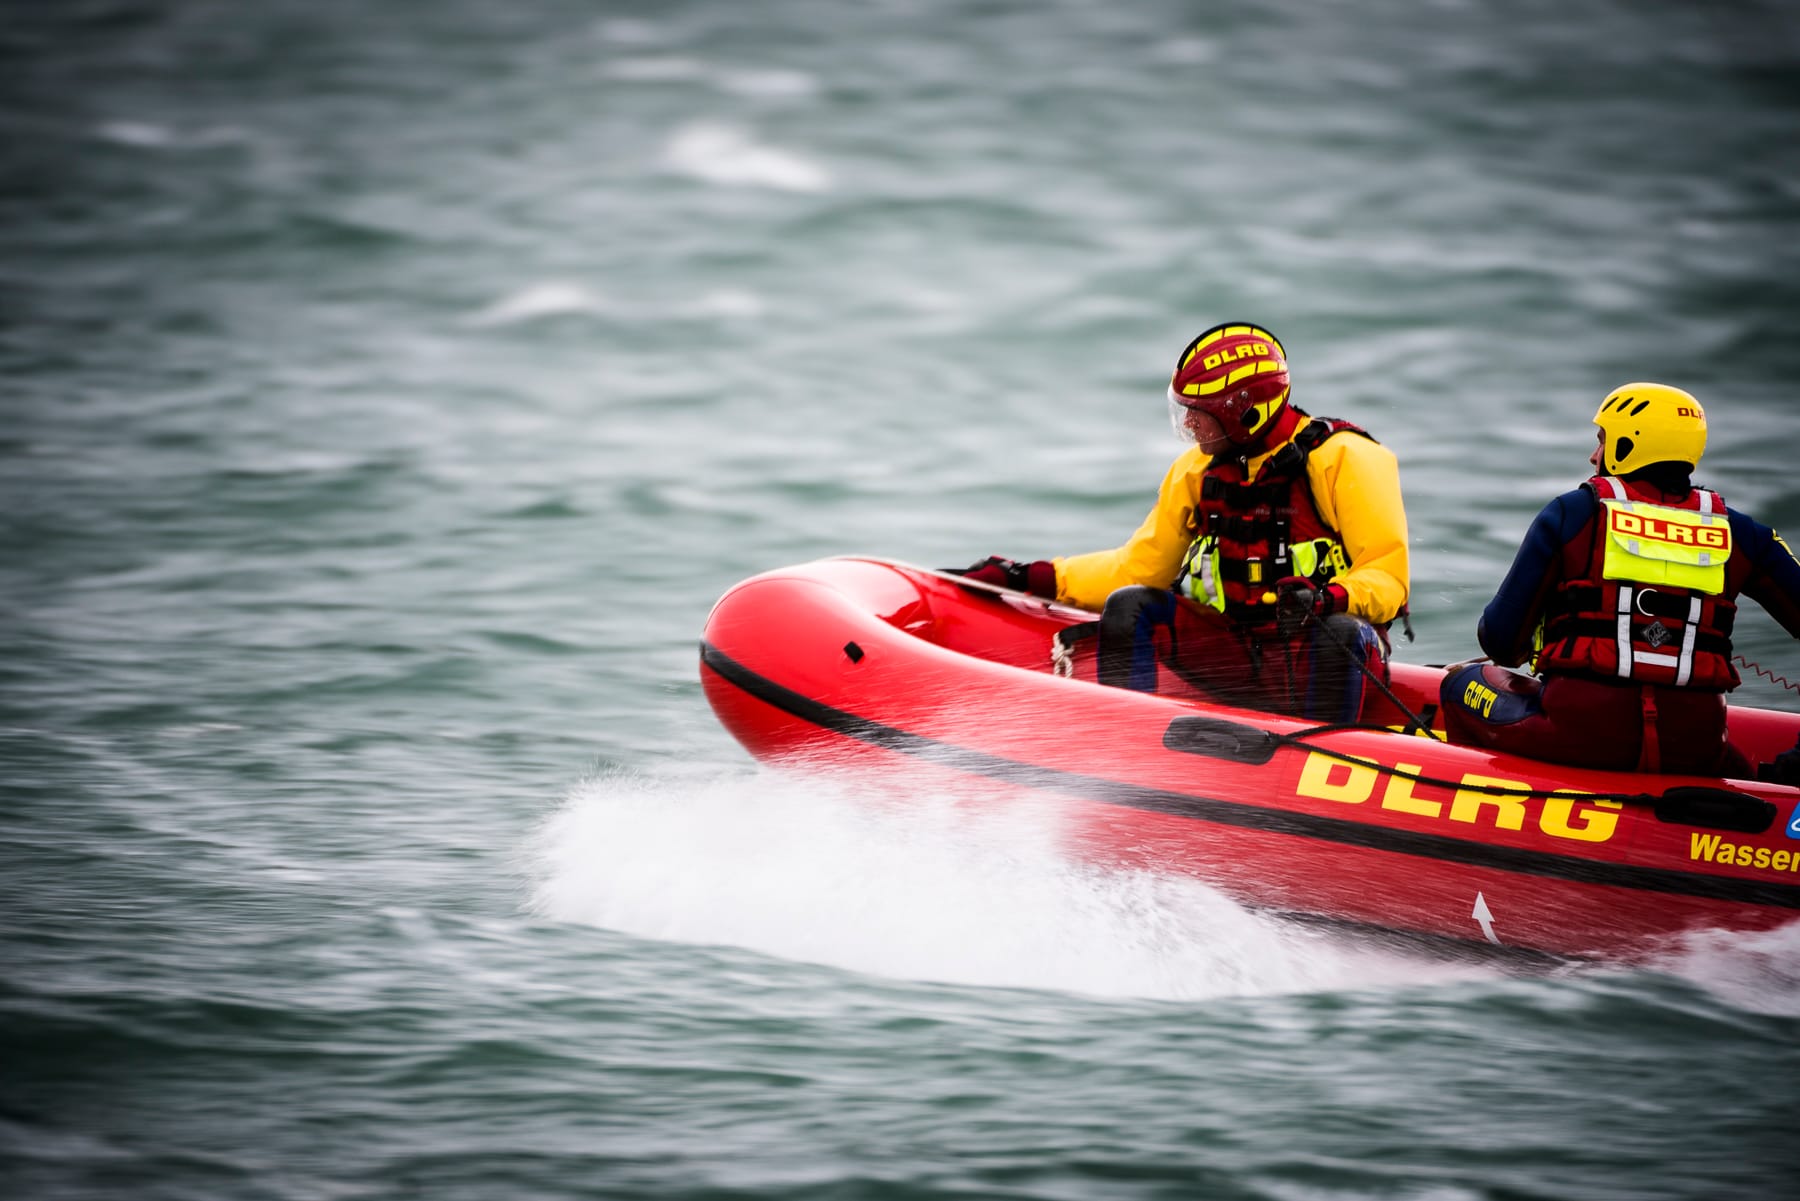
(1246, 531)
(1626, 629)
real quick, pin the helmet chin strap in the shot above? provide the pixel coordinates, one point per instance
(1276, 430)
(1240, 453)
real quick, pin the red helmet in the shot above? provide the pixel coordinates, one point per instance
(1236, 374)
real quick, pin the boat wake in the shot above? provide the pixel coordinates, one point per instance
(935, 888)
(1757, 972)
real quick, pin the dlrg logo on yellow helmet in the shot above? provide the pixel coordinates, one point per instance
(1647, 423)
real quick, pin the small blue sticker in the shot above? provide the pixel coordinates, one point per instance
(1793, 826)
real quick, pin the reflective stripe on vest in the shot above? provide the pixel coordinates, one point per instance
(1655, 544)
(1683, 663)
(1320, 560)
(1249, 534)
(1198, 578)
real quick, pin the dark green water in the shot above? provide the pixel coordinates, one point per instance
(389, 391)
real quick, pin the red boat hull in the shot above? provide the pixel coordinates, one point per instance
(880, 667)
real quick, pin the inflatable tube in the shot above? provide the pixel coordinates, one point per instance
(881, 667)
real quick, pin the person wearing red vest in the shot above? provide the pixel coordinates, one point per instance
(1273, 560)
(1622, 598)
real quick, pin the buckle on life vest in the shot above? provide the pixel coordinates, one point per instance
(1652, 602)
(1285, 463)
(1650, 750)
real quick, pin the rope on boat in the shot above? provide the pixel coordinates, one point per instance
(1756, 813)
(1780, 681)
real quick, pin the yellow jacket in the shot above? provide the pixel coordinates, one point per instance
(1355, 486)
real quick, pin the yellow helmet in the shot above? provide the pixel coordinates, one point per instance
(1645, 423)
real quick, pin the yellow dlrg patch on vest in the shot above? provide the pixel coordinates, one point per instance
(1671, 527)
(1656, 544)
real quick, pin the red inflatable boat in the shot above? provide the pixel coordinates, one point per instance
(879, 665)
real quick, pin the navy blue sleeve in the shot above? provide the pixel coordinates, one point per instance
(1511, 618)
(1774, 575)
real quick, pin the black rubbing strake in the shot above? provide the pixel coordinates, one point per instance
(1244, 816)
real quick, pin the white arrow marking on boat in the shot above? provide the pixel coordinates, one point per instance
(1486, 919)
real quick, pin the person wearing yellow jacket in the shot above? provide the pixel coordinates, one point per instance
(1276, 555)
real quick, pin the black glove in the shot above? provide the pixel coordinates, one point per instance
(1784, 769)
(1296, 600)
(1037, 577)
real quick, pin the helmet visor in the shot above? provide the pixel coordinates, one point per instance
(1178, 417)
(1194, 424)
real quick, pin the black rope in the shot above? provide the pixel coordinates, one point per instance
(1418, 723)
(1779, 681)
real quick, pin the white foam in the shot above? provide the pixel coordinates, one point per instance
(144, 135)
(768, 84)
(1759, 972)
(551, 298)
(137, 133)
(764, 83)
(722, 154)
(730, 303)
(655, 70)
(629, 31)
(918, 888)
(1188, 51)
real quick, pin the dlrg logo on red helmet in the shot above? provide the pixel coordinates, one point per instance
(1246, 350)
(1235, 373)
